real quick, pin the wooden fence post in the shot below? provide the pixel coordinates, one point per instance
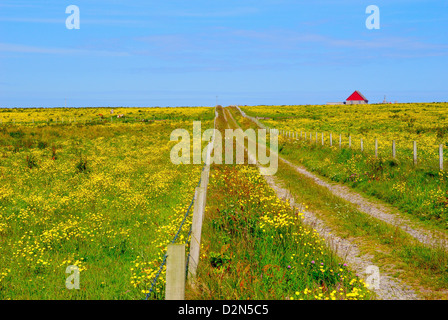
(376, 148)
(340, 140)
(175, 272)
(196, 229)
(362, 147)
(441, 157)
(415, 152)
(322, 138)
(204, 183)
(393, 149)
(316, 137)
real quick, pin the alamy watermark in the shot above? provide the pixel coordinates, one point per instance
(72, 281)
(257, 149)
(373, 21)
(73, 20)
(373, 279)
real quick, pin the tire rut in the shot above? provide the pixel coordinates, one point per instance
(388, 288)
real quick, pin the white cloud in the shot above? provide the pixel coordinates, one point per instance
(18, 48)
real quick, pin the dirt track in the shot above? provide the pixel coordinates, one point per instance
(389, 288)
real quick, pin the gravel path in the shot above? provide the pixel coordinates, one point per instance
(389, 288)
(377, 210)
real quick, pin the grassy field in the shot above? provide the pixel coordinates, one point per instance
(421, 190)
(103, 194)
(427, 123)
(43, 116)
(104, 197)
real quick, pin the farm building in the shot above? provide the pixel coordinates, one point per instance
(355, 98)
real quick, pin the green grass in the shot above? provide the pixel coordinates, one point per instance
(244, 258)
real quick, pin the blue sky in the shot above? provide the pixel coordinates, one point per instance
(185, 53)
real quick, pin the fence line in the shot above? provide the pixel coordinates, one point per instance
(394, 153)
(176, 286)
(172, 242)
(177, 264)
(376, 150)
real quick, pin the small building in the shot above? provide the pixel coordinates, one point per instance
(355, 98)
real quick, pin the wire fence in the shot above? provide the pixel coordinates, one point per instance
(428, 157)
(153, 283)
(431, 158)
(210, 148)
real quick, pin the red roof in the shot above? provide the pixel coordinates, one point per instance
(357, 96)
